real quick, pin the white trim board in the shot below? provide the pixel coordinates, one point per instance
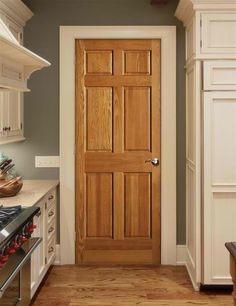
(57, 259)
(68, 35)
(181, 255)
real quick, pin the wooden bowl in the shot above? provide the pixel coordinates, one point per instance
(8, 189)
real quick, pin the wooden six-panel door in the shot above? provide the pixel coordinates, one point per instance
(117, 134)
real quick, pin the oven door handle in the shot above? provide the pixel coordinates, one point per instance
(16, 263)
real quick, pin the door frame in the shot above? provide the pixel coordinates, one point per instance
(68, 35)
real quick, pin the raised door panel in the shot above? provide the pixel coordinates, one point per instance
(223, 230)
(99, 105)
(223, 140)
(99, 205)
(137, 205)
(99, 62)
(137, 111)
(137, 62)
(15, 114)
(218, 33)
(118, 132)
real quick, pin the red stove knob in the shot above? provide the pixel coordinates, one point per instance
(11, 251)
(16, 245)
(30, 229)
(22, 239)
(4, 258)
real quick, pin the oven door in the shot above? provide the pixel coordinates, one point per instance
(15, 276)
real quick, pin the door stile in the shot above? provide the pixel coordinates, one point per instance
(80, 226)
(156, 150)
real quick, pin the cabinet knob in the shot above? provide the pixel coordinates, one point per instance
(51, 229)
(51, 250)
(51, 214)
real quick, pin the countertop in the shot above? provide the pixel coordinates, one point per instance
(31, 193)
(231, 246)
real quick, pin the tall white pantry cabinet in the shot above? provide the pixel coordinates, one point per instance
(211, 136)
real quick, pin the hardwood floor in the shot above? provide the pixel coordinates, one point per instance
(124, 286)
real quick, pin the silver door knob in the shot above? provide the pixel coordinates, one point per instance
(154, 161)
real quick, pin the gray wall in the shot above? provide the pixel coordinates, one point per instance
(42, 104)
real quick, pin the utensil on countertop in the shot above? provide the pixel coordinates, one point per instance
(2, 162)
(6, 169)
(5, 164)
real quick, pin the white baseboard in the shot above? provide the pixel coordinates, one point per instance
(58, 257)
(181, 251)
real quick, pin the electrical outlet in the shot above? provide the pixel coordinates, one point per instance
(47, 161)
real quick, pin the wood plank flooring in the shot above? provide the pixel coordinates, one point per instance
(124, 286)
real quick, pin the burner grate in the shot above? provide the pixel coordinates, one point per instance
(7, 214)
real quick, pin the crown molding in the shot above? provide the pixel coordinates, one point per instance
(16, 10)
(187, 8)
(185, 11)
(214, 4)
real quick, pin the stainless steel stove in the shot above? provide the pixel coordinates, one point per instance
(16, 247)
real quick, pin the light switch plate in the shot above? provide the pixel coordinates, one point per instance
(47, 161)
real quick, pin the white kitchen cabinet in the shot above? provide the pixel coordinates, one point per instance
(11, 102)
(211, 137)
(17, 64)
(218, 33)
(220, 75)
(45, 254)
(219, 191)
(11, 118)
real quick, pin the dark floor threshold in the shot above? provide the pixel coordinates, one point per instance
(216, 287)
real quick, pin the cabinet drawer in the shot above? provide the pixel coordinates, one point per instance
(51, 250)
(220, 75)
(218, 33)
(51, 229)
(51, 212)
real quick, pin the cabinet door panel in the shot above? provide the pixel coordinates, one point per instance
(15, 113)
(220, 75)
(219, 184)
(217, 29)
